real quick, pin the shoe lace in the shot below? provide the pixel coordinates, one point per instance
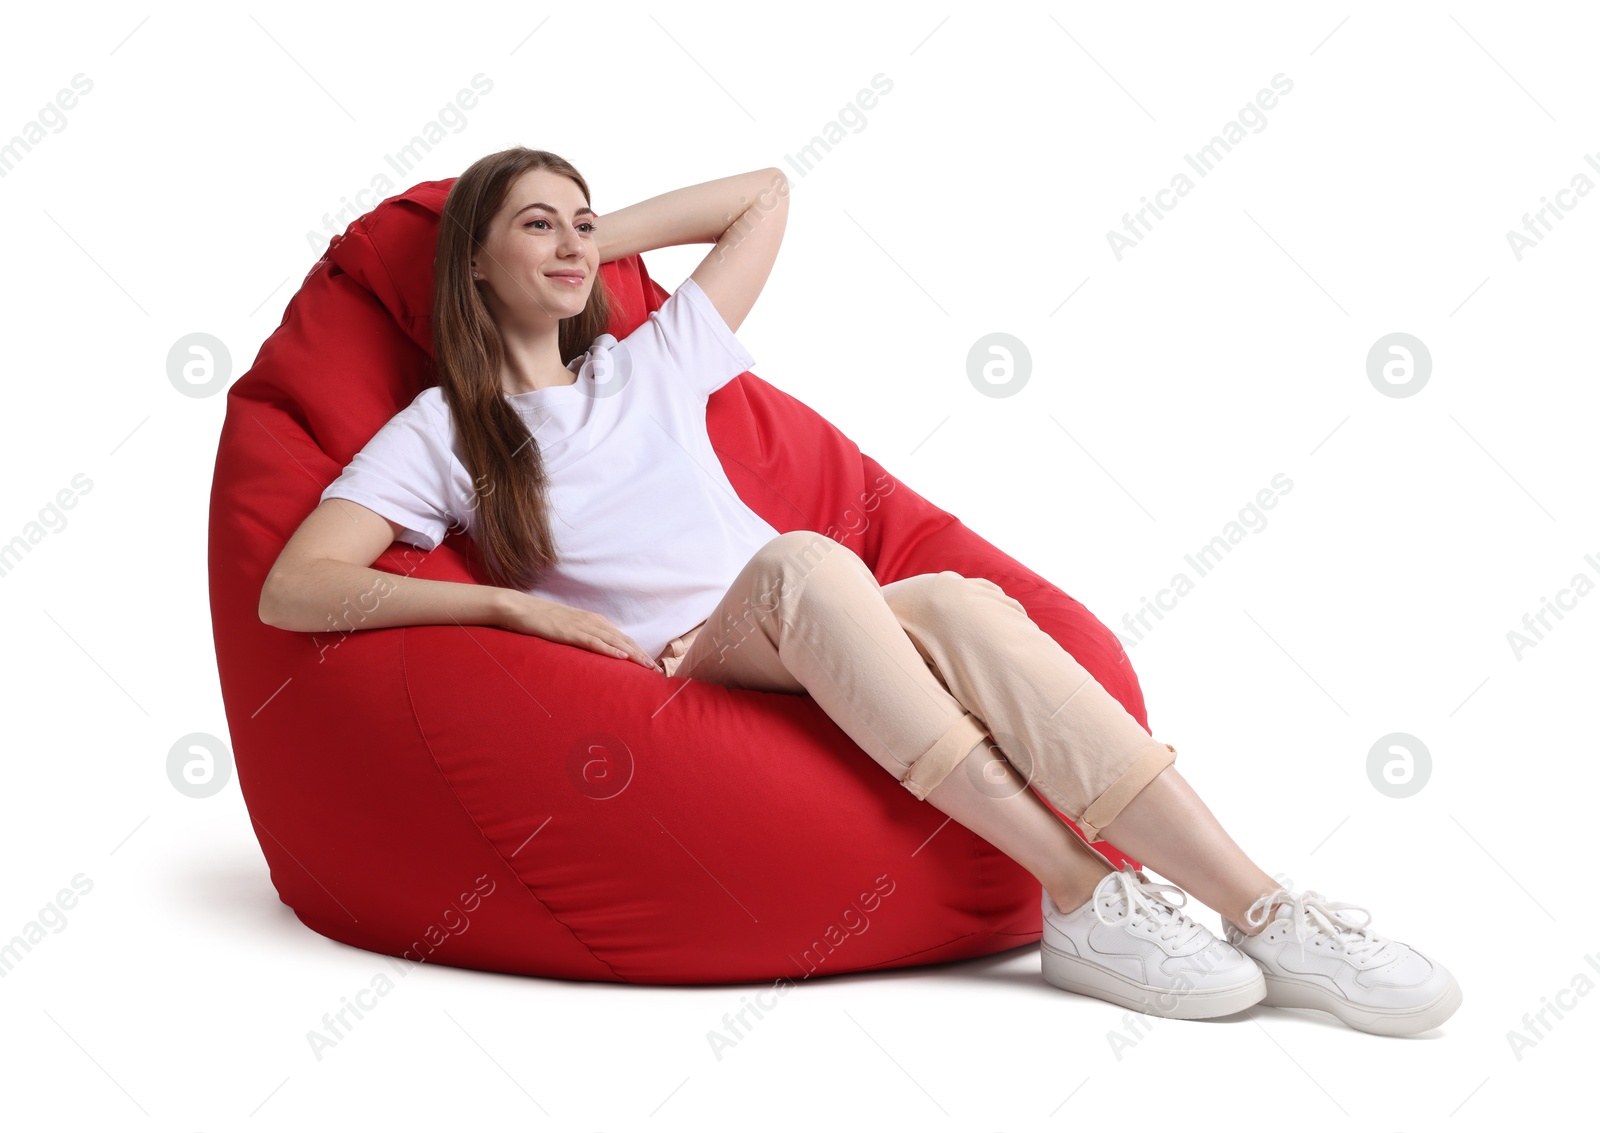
(1144, 901)
(1312, 912)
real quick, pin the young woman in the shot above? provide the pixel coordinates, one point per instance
(581, 468)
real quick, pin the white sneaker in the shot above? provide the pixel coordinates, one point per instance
(1313, 955)
(1128, 946)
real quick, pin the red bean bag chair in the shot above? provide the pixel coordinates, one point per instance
(487, 799)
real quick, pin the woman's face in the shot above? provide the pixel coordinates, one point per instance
(542, 237)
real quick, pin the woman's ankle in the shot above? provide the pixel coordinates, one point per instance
(1073, 893)
(1065, 901)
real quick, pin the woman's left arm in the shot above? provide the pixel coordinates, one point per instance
(744, 215)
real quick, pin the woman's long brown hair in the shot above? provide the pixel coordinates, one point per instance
(510, 486)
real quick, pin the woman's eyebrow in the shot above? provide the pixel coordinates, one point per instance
(553, 211)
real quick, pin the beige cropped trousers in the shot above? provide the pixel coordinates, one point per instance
(922, 671)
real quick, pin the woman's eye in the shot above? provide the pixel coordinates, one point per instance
(587, 226)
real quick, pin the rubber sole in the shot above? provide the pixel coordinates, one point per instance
(1283, 992)
(1073, 973)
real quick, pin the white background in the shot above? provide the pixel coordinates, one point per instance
(1229, 346)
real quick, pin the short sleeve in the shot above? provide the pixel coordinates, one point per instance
(687, 337)
(408, 474)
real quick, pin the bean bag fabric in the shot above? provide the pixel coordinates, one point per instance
(482, 798)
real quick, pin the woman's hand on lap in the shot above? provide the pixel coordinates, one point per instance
(541, 617)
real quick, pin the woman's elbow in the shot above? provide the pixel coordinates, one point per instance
(269, 607)
(264, 608)
(774, 190)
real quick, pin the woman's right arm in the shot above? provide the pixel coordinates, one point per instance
(319, 585)
(321, 582)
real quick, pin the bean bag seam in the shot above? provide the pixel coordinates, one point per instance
(405, 671)
(370, 229)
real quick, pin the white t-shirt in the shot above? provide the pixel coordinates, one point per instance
(649, 532)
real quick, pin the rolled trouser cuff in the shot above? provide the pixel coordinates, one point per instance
(1120, 793)
(930, 768)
